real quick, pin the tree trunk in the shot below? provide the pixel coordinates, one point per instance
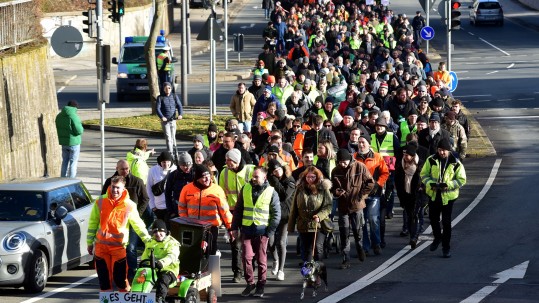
(149, 49)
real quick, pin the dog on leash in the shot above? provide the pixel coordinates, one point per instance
(314, 272)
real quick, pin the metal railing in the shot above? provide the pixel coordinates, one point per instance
(18, 23)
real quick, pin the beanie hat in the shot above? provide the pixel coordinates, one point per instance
(383, 85)
(165, 84)
(349, 112)
(234, 155)
(271, 79)
(445, 144)
(369, 99)
(268, 88)
(273, 149)
(200, 170)
(366, 137)
(413, 111)
(411, 149)
(330, 99)
(73, 103)
(438, 102)
(198, 138)
(274, 164)
(343, 155)
(164, 156)
(159, 225)
(212, 128)
(422, 118)
(257, 77)
(451, 115)
(185, 159)
(434, 117)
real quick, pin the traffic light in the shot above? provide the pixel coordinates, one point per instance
(121, 9)
(455, 15)
(113, 11)
(92, 25)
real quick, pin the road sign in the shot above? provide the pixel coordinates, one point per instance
(66, 41)
(454, 81)
(204, 34)
(427, 33)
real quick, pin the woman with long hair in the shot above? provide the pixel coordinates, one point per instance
(311, 204)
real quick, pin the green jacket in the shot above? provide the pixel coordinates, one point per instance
(454, 176)
(69, 127)
(305, 205)
(166, 252)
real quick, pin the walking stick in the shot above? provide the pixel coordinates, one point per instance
(315, 233)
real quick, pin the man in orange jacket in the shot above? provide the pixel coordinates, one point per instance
(206, 201)
(380, 173)
(108, 227)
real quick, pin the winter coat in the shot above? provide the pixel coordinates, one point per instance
(285, 188)
(136, 189)
(357, 183)
(396, 111)
(137, 163)
(306, 204)
(69, 127)
(167, 252)
(242, 106)
(431, 143)
(454, 176)
(167, 105)
(176, 181)
(156, 174)
(312, 137)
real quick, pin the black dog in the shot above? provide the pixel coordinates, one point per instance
(314, 272)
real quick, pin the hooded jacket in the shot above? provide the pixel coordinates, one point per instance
(305, 205)
(69, 127)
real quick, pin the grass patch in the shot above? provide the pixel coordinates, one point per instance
(190, 125)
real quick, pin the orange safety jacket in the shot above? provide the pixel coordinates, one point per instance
(208, 204)
(300, 137)
(110, 221)
(377, 167)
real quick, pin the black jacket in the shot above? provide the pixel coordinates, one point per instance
(424, 139)
(285, 188)
(312, 137)
(175, 183)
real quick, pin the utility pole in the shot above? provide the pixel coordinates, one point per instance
(185, 4)
(212, 58)
(225, 3)
(101, 81)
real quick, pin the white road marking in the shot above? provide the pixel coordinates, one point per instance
(510, 66)
(503, 100)
(390, 265)
(493, 72)
(525, 99)
(61, 289)
(60, 89)
(508, 117)
(494, 46)
(468, 96)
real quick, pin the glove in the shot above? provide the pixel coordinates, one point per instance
(158, 265)
(375, 188)
(434, 186)
(442, 185)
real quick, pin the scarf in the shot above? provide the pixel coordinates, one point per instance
(433, 133)
(409, 171)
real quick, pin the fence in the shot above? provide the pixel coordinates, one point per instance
(18, 23)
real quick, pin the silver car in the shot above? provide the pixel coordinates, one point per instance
(43, 230)
(486, 11)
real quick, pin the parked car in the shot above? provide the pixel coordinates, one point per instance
(43, 230)
(486, 11)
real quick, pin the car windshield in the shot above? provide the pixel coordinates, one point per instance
(135, 54)
(22, 206)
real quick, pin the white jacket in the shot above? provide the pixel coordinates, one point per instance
(156, 174)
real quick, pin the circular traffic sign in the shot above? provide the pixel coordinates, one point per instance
(66, 41)
(427, 33)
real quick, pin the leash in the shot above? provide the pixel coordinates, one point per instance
(315, 233)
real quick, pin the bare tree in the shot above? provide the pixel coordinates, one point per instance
(149, 52)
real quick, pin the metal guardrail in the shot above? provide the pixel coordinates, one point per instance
(17, 23)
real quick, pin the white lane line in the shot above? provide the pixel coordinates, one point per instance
(385, 268)
(468, 96)
(510, 66)
(494, 46)
(479, 101)
(60, 89)
(61, 289)
(493, 72)
(525, 99)
(508, 117)
(503, 100)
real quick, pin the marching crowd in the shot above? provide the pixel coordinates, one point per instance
(344, 113)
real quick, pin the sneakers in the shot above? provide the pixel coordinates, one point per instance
(446, 253)
(275, 268)
(377, 250)
(345, 264)
(237, 277)
(280, 275)
(259, 291)
(248, 290)
(434, 245)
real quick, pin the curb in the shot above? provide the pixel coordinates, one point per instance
(481, 144)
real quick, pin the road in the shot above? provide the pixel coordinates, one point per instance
(495, 236)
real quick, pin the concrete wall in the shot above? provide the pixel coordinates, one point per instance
(135, 22)
(28, 107)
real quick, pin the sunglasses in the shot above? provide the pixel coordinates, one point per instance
(328, 125)
(221, 136)
(296, 126)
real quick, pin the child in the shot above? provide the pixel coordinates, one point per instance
(166, 250)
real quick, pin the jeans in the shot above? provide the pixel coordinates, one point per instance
(169, 128)
(132, 254)
(372, 217)
(307, 241)
(70, 157)
(278, 242)
(346, 221)
(255, 247)
(244, 126)
(266, 13)
(435, 209)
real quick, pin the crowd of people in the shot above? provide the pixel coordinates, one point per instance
(344, 113)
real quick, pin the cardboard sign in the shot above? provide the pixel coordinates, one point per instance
(126, 297)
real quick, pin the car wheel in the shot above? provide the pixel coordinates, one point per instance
(38, 272)
(212, 296)
(192, 296)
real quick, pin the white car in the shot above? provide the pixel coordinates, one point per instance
(486, 11)
(43, 227)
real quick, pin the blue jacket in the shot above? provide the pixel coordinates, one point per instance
(261, 105)
(167, 106)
